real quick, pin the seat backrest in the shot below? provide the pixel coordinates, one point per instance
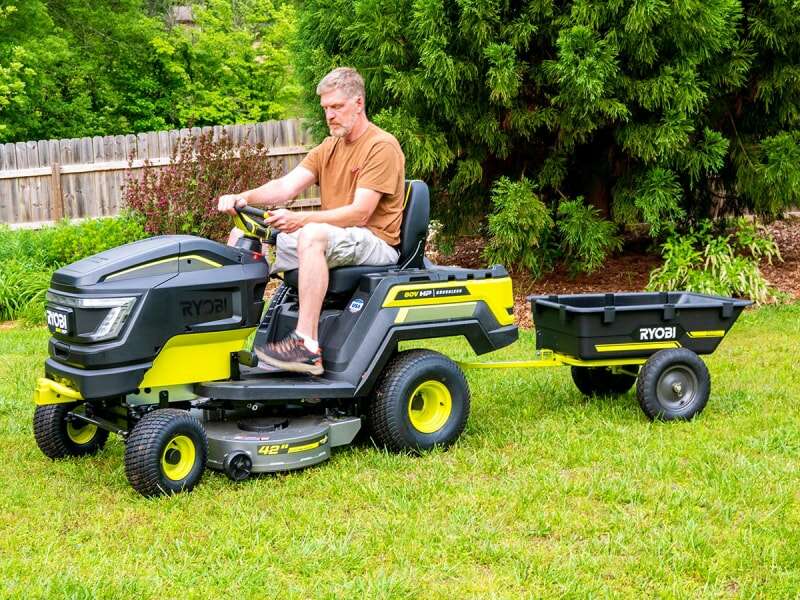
(414, 228)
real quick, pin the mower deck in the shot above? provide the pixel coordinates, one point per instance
(241, 445)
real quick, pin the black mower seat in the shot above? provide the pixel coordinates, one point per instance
(413, 234)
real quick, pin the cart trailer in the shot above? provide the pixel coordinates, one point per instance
(611, 341)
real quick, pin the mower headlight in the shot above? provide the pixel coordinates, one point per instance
(111, 325)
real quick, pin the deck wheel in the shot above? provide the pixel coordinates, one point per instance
(166, 453)
(673, 385)
(58, 436)
(421, 401)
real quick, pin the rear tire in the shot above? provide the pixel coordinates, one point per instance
(673, 385)
(421, 401)
(59, 438)
(166, 453)
(601, 381)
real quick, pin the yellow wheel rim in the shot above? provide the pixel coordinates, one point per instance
(178, 457)
(430, 406)
(81, 434)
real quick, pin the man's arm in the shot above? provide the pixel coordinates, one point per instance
(356, 214)
(273, 193)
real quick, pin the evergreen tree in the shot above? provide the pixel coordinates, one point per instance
(652, 110)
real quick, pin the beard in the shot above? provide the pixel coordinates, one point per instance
(341, 131)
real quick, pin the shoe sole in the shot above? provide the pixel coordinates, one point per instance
(292, 367)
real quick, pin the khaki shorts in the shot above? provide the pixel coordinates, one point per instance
(346, 247)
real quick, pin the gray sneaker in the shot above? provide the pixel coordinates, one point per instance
(291, 354)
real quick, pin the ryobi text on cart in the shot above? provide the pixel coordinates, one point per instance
(657, 333)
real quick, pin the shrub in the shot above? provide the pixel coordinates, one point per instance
(28, 258)
(66, 243)
(586, 238)
(520, 227)
(22, 287)
(523, 232)
(182, 197)
(723, 262)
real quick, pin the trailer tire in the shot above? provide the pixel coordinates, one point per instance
(673, 385)
(601, 381)
(422, 401)
(166, 453)
(59, 438)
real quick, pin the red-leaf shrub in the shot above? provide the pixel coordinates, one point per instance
(181, 197)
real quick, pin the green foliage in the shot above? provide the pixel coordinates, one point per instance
(67, 243)
(23, 284)
(523, 232)
(652, 111)
(520, 226)
(711, 261)
(234, 65)
(73, 69)
(586, 238)
(28, 258)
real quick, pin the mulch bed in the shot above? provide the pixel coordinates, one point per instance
(628, 272)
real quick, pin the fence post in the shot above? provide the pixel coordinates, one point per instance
(56, 196)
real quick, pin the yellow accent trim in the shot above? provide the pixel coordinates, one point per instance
(195, 357)
(706, 334)
(408, 195)
(548, 358)
(197, 257)
(305, 447)
(633, 346)
(420, 314)
(496, 293)
(186, 458)
(48, 391)
(249, 227)
(430, 406)
(81, 435)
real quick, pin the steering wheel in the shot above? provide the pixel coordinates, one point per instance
(252, 221)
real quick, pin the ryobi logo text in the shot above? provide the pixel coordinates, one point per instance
(204, 308)
(433, 293)
(657, 333)
(57, 320)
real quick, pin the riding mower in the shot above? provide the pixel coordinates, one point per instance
(151, 341)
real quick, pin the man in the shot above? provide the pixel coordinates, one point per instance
(361, 172)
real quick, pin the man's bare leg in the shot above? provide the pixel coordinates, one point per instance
(299, 351)
(313, 278)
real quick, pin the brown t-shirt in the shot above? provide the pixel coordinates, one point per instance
(374, 161)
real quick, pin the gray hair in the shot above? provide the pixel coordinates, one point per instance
(344, 78)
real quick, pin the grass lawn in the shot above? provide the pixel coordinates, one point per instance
(546, 494)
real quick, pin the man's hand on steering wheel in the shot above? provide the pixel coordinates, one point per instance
(285, 220)
(230, 202)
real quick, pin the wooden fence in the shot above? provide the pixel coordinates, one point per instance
(47, 180)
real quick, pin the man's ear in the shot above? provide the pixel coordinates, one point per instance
(359, 104)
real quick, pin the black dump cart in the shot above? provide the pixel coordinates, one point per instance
(612, 341)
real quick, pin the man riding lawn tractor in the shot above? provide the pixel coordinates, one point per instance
(150, 340)
(360, 170)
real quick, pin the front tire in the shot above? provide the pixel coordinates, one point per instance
(166, 453)
(58, 437)
(421, 401)
(673, 385)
